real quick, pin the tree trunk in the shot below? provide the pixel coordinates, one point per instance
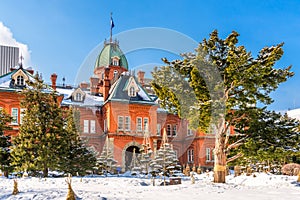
(45, 171)
(220, 155)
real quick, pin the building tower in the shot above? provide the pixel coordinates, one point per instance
(9, 58)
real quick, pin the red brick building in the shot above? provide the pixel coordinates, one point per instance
(115, 104)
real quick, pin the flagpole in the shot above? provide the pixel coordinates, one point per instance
(110, 27)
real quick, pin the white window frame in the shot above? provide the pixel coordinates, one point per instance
(78, 96)
(208, 154)
(146, 124)
(190, 155)
(174, 130)
(120, 123)
(189, 131)
(92, 126)
(127, 123)
(15, 115)
(158, 129)
(132, 92)
(20, 80)
(85, 126)
(139, 124)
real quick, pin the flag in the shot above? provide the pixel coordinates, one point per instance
(112, 23)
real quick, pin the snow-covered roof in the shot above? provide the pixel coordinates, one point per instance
(89, 100)
(294, 113)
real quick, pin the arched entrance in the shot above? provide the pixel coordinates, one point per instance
(127, 154)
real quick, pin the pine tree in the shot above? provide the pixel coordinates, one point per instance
(146, 154)
(5, 143)
(77, 158)
(165, 160)
(206, 86)
(106, 162)
(38, 145)
(272, 138)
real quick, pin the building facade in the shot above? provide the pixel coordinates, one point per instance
(9, 58)
(114, 108)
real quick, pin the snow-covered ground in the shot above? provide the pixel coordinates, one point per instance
(263, 186)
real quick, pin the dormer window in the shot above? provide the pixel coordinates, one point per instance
(78, 97)
(132, 92)
(115, 61)
(20, 80)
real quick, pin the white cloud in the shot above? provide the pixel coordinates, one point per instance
(7, 39)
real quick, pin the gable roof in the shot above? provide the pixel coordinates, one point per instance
(119, 91)
(6, 79)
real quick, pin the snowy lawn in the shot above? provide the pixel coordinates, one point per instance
(263, 186)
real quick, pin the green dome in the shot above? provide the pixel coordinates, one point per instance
(110, 50)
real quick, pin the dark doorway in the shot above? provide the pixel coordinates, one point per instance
(128, 156)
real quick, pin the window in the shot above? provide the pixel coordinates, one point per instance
(86, 126)
(20, 80)
(207, 154)
(158, 129)
(191, 155)
(120, 122)
(132, 92)
(146, 124)
(14, 114)
(115, 73)
(168, 130)
(127, 123)
(139, 124)
(174, 132)
(189, 131)
(22, 112)
(115, 62)
(78, 97)
(93, 126)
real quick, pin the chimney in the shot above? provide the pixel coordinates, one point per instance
(94, 85)
(141, 76)
(53, 81)
(83, 85)
(106, 83)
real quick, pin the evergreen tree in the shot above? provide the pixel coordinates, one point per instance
(77, 158)
(165, 160)
(271, 138)
(146, 154)
(206, 86)
(5, 143)
(106, 162)
(38, 145)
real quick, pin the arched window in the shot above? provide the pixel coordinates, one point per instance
(132, 91)
(20, 80)
(115, 74)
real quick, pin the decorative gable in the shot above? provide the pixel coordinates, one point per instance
(131, 87)
(19, 78)
(78, 95)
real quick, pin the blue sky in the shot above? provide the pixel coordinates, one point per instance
(60, 34)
